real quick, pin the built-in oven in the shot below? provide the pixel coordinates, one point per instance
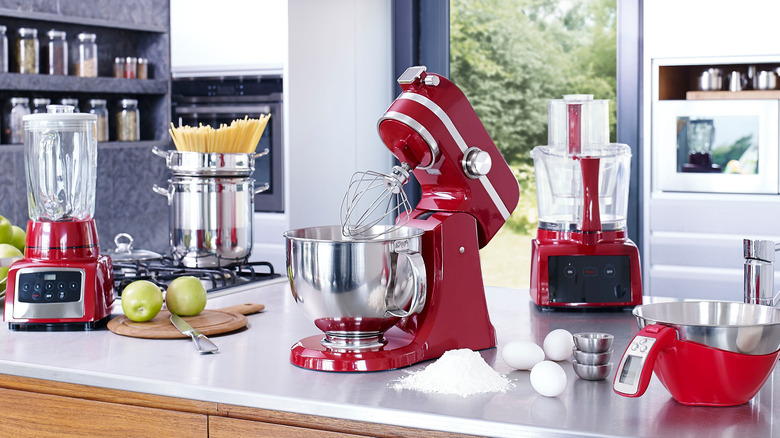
(216, 100)
(716, 146)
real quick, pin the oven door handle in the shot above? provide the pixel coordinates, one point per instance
(223, 109)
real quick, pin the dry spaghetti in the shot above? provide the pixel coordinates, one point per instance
(241, 136)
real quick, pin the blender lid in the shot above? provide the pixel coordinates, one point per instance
(59, 117)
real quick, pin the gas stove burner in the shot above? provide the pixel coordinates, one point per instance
(161, 272)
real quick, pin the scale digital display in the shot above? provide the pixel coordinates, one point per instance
(630, 370)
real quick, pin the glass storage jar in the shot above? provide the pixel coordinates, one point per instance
(27, 51)
(72, 102)
(98, 108)
(143, 69)
(86, 65)
(128, 127)
(39, 105)
(16, 108)
(3, 50)
(58, 53)
(131, 64)
(119, 67)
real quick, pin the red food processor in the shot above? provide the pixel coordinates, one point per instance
(62, 283)
(468, 193)
(581, 256)
(706, 353)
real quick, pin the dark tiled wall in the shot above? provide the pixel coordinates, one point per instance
(124, 199)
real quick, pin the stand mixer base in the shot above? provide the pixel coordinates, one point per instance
(400, 351)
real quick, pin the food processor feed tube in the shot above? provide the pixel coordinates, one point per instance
(468, 193)
(581, 256)
(63, 282)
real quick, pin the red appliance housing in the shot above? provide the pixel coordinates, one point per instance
(63, 283)
(432, 127)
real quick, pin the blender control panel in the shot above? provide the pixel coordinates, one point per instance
(50, 286)
(589, 279)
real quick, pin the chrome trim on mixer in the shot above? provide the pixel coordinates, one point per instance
(445, 119)
(419, 128)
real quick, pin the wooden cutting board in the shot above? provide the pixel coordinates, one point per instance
(209, 322)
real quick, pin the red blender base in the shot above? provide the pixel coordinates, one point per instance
(63, 283)
(580, 270)
(455, 314)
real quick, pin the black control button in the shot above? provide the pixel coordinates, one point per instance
(61, 295)
(37, 287)
(74, 285)
(609, 271)
(48, 296)
(590, 271)
(26, 287)
(36, 296)
(569, 271)
(61, 285)
(49, 285)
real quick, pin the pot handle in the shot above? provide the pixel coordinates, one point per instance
(262, 188)
(159, 152)
(261, 154)
(636, 366)
(420, 281)
(168, 193)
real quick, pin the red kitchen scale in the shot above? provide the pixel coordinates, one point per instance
(62, 283)
(468, 193)
(581, 256)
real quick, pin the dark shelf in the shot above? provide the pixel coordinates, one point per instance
(43, 82)
(85, 21)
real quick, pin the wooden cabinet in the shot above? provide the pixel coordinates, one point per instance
(42, 409)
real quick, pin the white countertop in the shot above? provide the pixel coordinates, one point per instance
(252, 369)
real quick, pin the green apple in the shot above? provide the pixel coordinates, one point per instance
(6, 232)
(19, 238)
(141, 300)
(186, 296)
(7, 250)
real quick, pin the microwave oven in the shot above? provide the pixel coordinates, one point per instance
(716, 146)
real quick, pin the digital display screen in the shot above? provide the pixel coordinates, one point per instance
(50, 277)
(630, 370)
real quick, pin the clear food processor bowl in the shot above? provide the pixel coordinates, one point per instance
(60, 157)
(560, 191)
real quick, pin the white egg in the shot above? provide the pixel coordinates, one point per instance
(558, 345)
(522, 355)
(548, 378)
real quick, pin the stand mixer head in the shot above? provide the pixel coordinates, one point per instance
(468, 193)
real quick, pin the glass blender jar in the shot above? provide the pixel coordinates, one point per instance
(581, 256)
(63, 282)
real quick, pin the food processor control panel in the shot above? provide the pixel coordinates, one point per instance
(589, 279)
(41, 292)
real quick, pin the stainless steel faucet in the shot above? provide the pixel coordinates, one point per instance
(760, 271)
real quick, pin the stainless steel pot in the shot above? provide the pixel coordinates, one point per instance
(210, 219)
(208, 164)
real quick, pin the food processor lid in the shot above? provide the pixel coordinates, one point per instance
(58, 117)
(578, 123)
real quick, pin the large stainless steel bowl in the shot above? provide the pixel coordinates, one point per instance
(355, 289)
(738, 327)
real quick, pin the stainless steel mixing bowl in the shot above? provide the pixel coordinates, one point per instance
(738, 327)
(355, 289)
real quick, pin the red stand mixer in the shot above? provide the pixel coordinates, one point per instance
(62, 283)
(581, 256)
(468, 193)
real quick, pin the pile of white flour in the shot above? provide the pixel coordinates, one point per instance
(459, 372)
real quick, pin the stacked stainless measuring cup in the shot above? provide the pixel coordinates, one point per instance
(592, 354)
(211, 200)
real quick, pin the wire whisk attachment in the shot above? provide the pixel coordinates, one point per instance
(371, 199)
